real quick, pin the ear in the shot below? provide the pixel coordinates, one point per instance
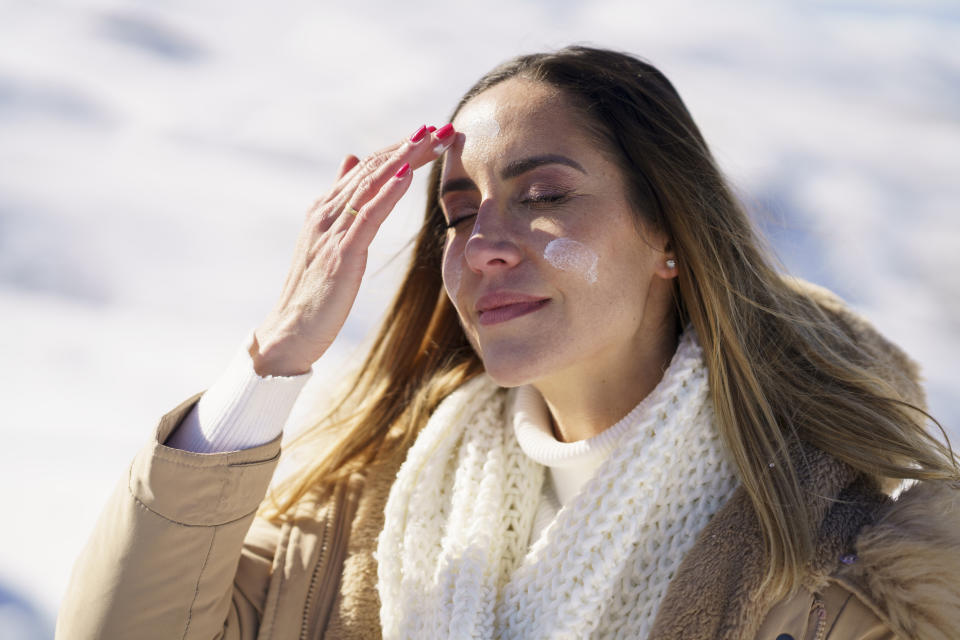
(666, 266)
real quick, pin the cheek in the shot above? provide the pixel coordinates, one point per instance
(452, 272)
(569, 255)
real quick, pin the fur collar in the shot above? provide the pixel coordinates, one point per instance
(907, 559)
(908, 563)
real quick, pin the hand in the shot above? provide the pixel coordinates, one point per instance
(331, 253)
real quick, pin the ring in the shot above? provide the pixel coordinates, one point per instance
(352, 211)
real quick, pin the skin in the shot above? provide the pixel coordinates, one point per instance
(600, 341)
(594, 349)
(330, 256)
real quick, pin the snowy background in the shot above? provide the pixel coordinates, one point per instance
(156, 160)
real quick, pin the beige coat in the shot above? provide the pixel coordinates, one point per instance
(174, 555)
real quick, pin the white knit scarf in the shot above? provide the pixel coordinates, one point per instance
(453, 555)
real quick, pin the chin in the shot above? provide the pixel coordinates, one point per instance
(507, 380)
(513, 370)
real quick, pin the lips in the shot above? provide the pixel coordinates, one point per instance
(500, 306)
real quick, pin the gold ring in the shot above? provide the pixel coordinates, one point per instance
(352, 211)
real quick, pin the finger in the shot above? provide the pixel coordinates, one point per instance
(427, 148)
(422, 147)
(442, 139)
(348, 163)
(367, 222)
(370, 163)
(332, 205)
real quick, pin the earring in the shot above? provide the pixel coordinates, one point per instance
(671, 263)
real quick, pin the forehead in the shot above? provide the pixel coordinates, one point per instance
(515, 101)
(515, 118)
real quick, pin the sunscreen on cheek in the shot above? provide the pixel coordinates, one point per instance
(569, 255)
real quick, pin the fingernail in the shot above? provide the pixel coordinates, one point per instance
(404, 170)
(418, 134)
(444, 132)
(431, 128)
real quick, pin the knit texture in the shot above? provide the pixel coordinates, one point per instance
(241, 410)
(569, 465)
(453, 557)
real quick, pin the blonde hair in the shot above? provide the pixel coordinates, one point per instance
(783, 368)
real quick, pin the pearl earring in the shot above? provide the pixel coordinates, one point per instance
(671, 263)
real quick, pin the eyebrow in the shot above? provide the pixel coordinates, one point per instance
(512, 170)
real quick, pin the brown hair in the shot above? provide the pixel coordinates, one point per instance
(782, 368)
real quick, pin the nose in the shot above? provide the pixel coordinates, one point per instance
(491, 246)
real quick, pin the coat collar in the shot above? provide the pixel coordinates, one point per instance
(717, 592)
(908, 561)
(900, 558)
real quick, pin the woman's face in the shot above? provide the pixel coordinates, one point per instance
(543, 260)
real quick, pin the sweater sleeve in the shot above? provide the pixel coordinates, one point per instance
(241, 409)
(163, 557)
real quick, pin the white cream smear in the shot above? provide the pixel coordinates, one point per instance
(569, 255)
(478, 122)
(483, 122)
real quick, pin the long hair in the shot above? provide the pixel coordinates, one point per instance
(782, 368)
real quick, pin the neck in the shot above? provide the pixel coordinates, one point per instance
(586, 401)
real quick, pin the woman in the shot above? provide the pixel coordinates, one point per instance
(593, 410)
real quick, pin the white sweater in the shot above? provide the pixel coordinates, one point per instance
(241, 410)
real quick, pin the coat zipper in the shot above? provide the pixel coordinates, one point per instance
(323, 579)
(820, 613)
(305, 624)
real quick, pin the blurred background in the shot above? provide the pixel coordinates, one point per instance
(157, 158)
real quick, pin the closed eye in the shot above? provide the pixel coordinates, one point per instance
(544, 199)
(460, 218)
(534, 200)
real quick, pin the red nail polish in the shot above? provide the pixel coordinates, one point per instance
(431, 128)
(418, 134)
(404, 170)
(444, 132)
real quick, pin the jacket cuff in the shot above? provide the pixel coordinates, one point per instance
(198, 489)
